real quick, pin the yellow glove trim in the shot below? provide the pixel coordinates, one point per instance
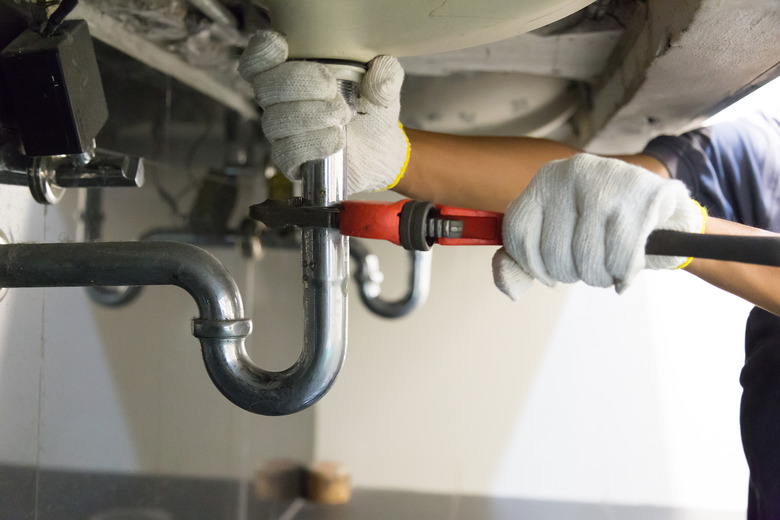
(704, 215)
(406, 161)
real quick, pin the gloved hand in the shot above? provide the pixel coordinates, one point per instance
(588, 218)
(304, 115)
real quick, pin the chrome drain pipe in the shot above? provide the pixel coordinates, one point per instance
(221, 326)
(325, 274)
(126, 263)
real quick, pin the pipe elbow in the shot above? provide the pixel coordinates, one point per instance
(221, 326)
(222, 331)
(324, 343)
(259, 391)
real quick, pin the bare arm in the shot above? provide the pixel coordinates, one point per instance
(483, 172)
(757, 284)
(489, 172)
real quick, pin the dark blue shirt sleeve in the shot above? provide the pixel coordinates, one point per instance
(733, 169)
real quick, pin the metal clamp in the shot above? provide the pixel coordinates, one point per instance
(49, 176)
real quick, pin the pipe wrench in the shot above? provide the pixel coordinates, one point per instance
(418, 225)
(415, 225)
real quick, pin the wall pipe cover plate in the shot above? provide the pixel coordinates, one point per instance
(359, 30)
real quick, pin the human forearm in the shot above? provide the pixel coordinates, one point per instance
(475, 172)
(757, 284)
(482, 172)
(490, 172)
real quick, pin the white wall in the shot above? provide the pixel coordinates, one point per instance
(571, 393)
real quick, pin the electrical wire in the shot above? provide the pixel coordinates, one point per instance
(58, 16)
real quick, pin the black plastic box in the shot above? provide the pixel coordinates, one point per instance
(55, 90)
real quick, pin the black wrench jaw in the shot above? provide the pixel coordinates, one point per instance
(294, 212)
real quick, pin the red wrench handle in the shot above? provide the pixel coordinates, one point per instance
(381, 220)
(480, 228)
(370, 219)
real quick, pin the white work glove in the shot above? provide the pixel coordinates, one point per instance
(588, 218)
(304, 115)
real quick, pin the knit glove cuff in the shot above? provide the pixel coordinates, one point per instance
(690, 217)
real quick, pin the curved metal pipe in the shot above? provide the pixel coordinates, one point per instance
(369, 278)
(325, 273)
(126, 263)
(325, 266)
(221, 326)
(217, 12)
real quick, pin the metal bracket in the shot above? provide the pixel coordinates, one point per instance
(48, 176)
